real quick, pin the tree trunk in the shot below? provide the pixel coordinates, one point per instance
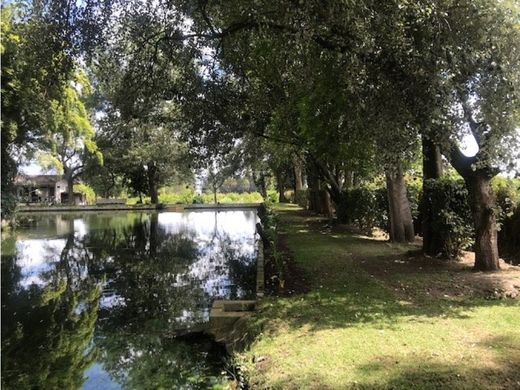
(433, 244)
(481, 203)
(262, 185)
(400, 214)
(70, 188)
(298, 181)
(484, 221)
(325, 203)
(152, 183)
(281, 188)
(215, 194)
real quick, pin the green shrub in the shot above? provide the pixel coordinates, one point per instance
(87, 191)
(365, 207)
(272, 196)
(197, 199)
(507, 193)
(8, 204)
(448, 200)
(301, 198)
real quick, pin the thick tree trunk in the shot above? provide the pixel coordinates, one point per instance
(481, 202)
(400, 214)
(298, 181)
(484, 221)
(313, 183)
(261, 184)
(433, 243)
(70, 189)
(152, 184)
(281, 188)
(432, 160)
(325, 203)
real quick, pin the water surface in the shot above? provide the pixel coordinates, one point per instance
(95, 301)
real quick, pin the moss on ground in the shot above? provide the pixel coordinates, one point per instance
(376, 318)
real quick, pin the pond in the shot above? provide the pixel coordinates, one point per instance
(95, 301)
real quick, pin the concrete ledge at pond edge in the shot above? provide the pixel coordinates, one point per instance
(124, 207)
(228, 318)
(102, 201)
(213, 206)
(228, 322)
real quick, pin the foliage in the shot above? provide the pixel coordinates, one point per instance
(40, 41)
(272, 196)
(71, 140)
(87, 191)
(375, 318)
(507, 192)
(367, 208)
(448, 201)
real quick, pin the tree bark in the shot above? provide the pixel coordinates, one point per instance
(152, 184)
(325, 203)
(281, 188)
(481, 203)
(298, 181)
(334, 193)
(433, 243)
(400, 214)
(484, 220)
(261, 184)
(70, 185)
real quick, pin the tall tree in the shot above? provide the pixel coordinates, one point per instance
(71, 139)
(40, 41)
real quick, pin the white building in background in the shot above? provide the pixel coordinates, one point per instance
(50, 189)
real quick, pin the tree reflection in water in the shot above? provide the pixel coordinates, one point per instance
(115, 292)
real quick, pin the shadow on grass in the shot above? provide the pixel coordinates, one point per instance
(353, 280)
(442, 376)
(420, 372)
(501, 373)
(318, 311)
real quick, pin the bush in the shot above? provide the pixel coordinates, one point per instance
(197, 199)
(87, 191)
(507, 194)
(272, 196)
(301, 198)
(366, 208)
(8, 204)
(448, 200)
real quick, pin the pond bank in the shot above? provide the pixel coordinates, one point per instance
(375, 316)
(116, 207)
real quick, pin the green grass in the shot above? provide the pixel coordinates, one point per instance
(370, 330)
(188, 196)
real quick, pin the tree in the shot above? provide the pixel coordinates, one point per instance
(482, 98)
(71, 139)
(39, 43)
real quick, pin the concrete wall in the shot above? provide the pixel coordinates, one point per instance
(60, 187)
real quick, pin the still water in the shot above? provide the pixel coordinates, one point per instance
(94, 301)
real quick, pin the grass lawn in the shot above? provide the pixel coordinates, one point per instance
(377, 317)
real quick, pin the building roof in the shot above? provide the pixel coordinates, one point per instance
(37, 180)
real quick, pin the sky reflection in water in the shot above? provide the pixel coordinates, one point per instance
(94, 300)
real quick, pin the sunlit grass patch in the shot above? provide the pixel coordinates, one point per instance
(358, 328)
